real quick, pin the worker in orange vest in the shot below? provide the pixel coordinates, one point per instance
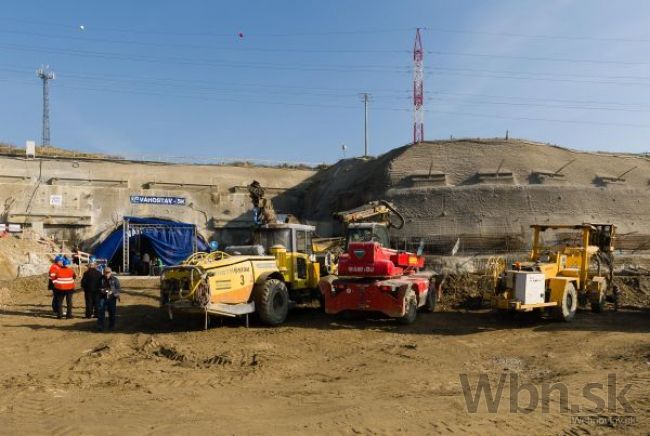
(64, 288)
(54, 269)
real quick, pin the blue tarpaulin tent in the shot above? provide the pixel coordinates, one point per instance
(172, 241)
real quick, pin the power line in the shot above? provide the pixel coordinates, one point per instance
(530, 98)
(234, 32)
(359, 68)
(552, 120)
(537, 58)
(168, 81)
(382, 108)
(351, 107)
(536, 73)
(202, 96)
(549, 106)
(336, 93)
(281, 88)
(537, 79)
(222, 64)
(235, 100)
(560, 100)
(538, 36)
(240, 48)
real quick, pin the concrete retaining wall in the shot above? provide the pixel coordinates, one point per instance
(86, 199)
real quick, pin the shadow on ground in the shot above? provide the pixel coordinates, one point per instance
(150, 318)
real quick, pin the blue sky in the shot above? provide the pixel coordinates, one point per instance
(175, 78)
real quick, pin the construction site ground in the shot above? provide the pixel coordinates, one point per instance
(314, 374)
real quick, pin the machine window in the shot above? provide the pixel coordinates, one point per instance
(382, 236)
(302, 243)
(270, 237)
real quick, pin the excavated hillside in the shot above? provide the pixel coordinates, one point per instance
(487, 192)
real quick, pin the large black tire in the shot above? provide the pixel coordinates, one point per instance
(432, 297)
(411, 308)
(505, 315)
(566, 311)
(598, 306)
(272, 302)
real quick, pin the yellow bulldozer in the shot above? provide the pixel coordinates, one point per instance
(575, 271)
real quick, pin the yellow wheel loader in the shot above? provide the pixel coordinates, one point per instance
(560, 278)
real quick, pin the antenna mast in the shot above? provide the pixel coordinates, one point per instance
(46, 75)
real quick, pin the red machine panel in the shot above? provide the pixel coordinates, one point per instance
(369, 259)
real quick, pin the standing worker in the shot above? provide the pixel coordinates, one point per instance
(107, 300)
(64, 288)
(54, 269)
(91, 284)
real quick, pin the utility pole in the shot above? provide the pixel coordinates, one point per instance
(418, 89)
(365, 97)
(46, 75)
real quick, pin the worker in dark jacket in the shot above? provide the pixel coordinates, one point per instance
(109, 294)
(91, 283)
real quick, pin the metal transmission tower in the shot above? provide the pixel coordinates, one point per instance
(46, 75)
(418, 89)
(365, 98)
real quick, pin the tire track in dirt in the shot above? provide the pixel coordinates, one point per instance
(66, 430)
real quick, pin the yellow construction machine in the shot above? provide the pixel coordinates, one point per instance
(268, 277)
(220, 284)
(238, 284)
(559, 278)
(288, 241)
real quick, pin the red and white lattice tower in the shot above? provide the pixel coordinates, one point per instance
(418, 90)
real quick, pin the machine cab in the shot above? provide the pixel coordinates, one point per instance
(365, 232)
(296, 238)
(291, 245)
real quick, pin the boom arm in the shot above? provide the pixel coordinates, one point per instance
(374, 211)
(262, 207)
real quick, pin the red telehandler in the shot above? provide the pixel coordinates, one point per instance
(373, 278)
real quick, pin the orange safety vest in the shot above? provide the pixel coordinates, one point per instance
(54, 270)
(64, 280)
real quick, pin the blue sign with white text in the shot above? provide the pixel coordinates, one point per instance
(165, 201)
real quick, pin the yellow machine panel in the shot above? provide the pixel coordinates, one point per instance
(232, 283)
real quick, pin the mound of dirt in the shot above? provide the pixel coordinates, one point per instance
(22, 288)
(485, 193)
(461, 290)
(634, 291)
(24, 257)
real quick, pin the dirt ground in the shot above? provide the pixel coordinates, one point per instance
(315, 374)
